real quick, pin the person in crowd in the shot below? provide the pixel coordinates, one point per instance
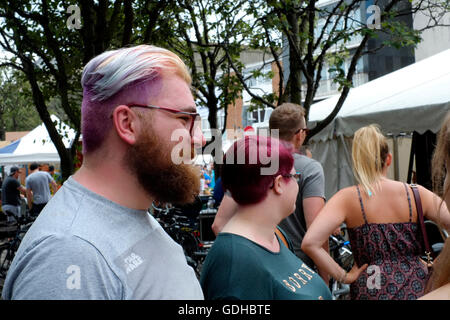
(218, 192)
(304, 150)
(289, 120)
(248, 260)
(384, 233)
(95, 239)
(438, 286)
(57, 177)
(11, 190)
(212, 184)
(206, 177)
(38, 189)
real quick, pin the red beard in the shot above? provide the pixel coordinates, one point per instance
(163, 180)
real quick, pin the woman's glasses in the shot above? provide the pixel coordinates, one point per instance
(296, 176)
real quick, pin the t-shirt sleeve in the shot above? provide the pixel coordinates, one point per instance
(60, 267)
(314, 181)
(49, 178)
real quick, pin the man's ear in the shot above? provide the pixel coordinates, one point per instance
(126, 123)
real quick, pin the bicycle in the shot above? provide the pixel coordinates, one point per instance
(11, 234)
(183, 230)
(340, 251)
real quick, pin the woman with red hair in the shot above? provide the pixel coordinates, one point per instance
(248, 260)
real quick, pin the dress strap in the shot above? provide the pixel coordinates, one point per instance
(409, 202)
(362, 207)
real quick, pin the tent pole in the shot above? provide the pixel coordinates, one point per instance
(411, 159)
(396, 170)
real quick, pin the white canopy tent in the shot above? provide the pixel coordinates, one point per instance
(414, 98)
(36, 146)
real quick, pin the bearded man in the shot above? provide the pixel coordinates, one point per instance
(95, 238)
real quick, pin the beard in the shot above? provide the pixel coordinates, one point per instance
(150, 161)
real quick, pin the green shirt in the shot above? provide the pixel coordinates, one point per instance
(238, 268)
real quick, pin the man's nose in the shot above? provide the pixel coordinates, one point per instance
(198, 139)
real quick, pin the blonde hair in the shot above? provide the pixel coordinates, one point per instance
(440, 167)
(441, 159)
(369, 153)
(113, 70)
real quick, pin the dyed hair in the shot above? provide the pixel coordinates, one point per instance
(369, 153)
(244, 180)
(287, 118)
(124, 76)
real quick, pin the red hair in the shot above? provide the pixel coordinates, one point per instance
(244, 164)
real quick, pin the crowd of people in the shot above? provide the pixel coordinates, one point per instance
(40, 185)
(95, 238)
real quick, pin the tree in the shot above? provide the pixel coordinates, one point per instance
(17, 112)
(51, 55)
(293, 24)
(202, 28)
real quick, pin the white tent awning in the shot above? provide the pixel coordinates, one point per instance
(36, 145)
(414, 98)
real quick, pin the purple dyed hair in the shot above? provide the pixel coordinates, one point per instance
(125, 76)
(245, 181)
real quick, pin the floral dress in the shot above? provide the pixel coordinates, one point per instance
(392, 251)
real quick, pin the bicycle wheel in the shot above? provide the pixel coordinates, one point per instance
(5, 259)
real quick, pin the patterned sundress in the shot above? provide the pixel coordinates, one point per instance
(392, 251)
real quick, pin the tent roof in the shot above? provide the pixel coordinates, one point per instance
(36, 145)
(414, 98)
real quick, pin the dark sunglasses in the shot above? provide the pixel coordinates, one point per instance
(304, 129)
(194, 116)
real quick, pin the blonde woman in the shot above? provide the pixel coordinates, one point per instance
(382, 219)
(438, 286)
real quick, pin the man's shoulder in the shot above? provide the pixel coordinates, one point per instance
(303, 163)
(10, 180)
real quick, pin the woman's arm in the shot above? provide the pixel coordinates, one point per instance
(434, 208)
(226, 210)
(329, 218)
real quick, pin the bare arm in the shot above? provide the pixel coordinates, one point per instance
(434, 208)
(441, 293)
(29, 198)
(22, 189)
(311, 208)
(54, 186)
(330, 217)
(226, 210)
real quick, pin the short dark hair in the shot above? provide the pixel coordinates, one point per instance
(287, 118)
(51, 168)
(34, 166)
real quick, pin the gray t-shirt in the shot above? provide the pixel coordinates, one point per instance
(311, 184)
(38, 182)
(84, 246)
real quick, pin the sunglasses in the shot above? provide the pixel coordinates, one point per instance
(296, 176)
(302, 129)
(194, 117)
